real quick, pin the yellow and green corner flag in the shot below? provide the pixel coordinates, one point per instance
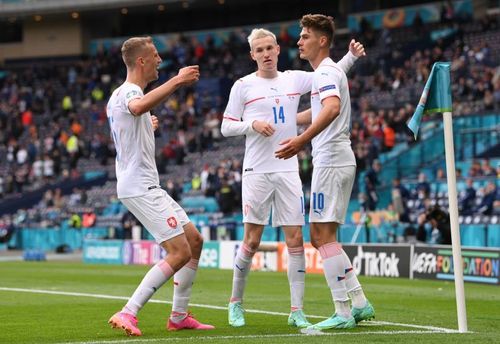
(436, 96)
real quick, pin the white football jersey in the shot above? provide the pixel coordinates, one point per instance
(332, 146)
(134, 142)
(274, 101)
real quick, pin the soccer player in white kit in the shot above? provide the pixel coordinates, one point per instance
(334, 170)
(139, 189)
(263, 106)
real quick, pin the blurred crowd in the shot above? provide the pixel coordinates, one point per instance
(53, 124)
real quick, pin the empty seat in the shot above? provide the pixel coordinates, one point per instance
(473, 235)
(494, 220)
(493, 235)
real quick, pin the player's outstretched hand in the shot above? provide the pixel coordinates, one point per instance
(356, 48)
(155, 122)
(291, 147)
(263, 128)
(189, 74)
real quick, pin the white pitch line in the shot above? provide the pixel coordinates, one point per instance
(264, 336)
(112, 297)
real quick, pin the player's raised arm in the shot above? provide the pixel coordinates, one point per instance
(186, 76)
(356, 50)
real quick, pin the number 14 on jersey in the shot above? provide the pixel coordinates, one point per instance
(279, 115)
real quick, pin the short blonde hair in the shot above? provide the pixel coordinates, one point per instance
(132, 47)
(260, 33)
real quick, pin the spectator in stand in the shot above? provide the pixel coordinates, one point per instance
(128, 222)
(88, 218)
(196, 181)
(489, 196)
(400, 197)
(441, 175)
(371, 183)
(225, 197)
(204, 178)
(389, 136)
(212, 123)
(173, 190)
(467, 199)
(423, 187)
(487, 169)
(475, 169)
(213, 182)
(438, 221)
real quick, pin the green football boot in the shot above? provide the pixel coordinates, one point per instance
(236, 314)
(298, 319)
(335, 322)
(365, 313)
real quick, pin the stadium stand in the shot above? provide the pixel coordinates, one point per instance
(53, 131)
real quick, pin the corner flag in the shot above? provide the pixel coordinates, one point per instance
(436, 96)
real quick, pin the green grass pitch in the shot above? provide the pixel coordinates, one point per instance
(75, 301)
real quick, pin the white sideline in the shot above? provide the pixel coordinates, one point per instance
(264, 336)
(430, 329)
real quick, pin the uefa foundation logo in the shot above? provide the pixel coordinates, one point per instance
(479, 265)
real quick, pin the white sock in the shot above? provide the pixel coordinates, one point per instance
(154, 279)
(296, 276)
(353, 287)
(242, 264)
(183, 284)
(342, 308)
(333, 267)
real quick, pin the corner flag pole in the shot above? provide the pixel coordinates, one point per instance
(455, 233)
(436, 97)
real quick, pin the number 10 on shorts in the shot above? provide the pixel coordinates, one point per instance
(318, 201)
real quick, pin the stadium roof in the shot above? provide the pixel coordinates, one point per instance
(29, 7)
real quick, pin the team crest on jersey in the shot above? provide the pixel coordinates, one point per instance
(172, 222)
(277, 100)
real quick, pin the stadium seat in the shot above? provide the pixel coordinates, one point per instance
(473, 235)
(493, 235)
(494, 220)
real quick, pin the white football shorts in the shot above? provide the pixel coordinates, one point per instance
(331, 189)
(280, 192)
(159, 214)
